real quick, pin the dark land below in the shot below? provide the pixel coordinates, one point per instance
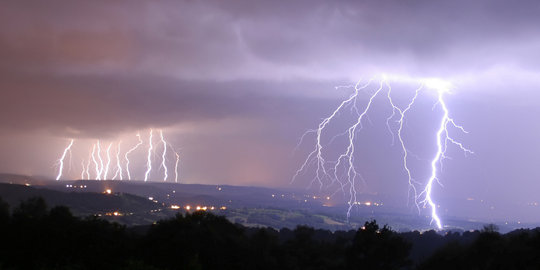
(133, 225)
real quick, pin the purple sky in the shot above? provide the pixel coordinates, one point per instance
(235, 84)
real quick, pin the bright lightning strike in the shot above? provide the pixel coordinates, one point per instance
(100, 169)
(163, 155)
(129, 151)
(149, 158)
(401, 121)
(343, 170)
(442, 145)
(118, 172)
(176, 167)
(83, 171)
(100, 166)
(61, 160)
(96, 164)
(316, 155)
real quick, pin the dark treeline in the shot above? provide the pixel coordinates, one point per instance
(34, 237)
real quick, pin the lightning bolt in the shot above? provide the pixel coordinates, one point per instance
(149, 158)
(316, 156)
(106, 170)
(61, 160)
(401, 121)
(352, 174)
(344, 170)
(443, 138)
(176, 167)
(96, 164)
(100, 169)
(70, 161)
(102, 164)
(163, 155)
(118, 172)
(129, 151)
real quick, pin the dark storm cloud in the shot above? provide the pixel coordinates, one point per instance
(425, 33)
(269, 40)
(97, 105)
(70, 56)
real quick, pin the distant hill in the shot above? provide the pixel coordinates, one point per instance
(23, 179)
(81, 204)
(146, 202)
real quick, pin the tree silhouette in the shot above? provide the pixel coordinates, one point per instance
(34, 237)
(376, 248)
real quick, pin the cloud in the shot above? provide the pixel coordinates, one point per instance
(97, 106)
(253, 40)
(98, 66)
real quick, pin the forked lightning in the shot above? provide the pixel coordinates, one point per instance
(343, 171)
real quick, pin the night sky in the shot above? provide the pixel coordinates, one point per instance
(235, 84)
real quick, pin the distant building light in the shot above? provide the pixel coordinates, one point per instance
(27, 184)
(116, 213)
(367, 203)
(328, 197)
(198, 208)
(108, 191)
(174, 206)
(188, 207)
(151, 198)
(212, 208)
(223, 208)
